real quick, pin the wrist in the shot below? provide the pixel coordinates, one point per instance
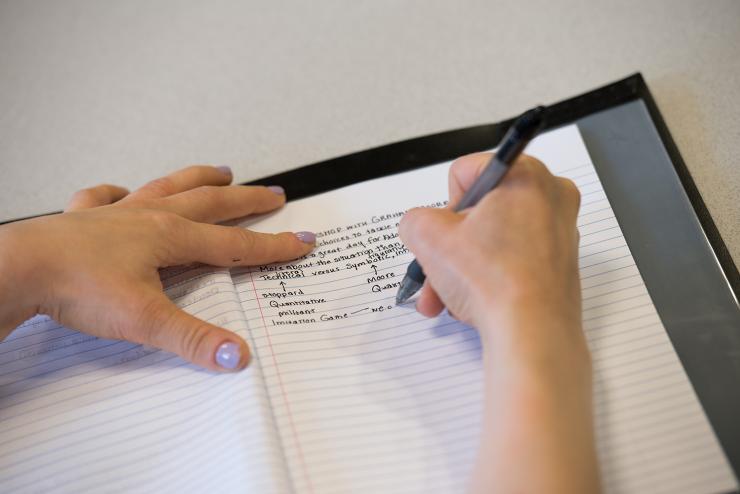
(21, 285)
(531, 331)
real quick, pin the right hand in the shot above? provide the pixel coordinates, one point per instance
(512, 256)
(509, 267)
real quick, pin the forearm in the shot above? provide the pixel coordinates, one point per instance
(538, 425)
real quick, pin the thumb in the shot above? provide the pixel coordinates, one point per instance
(164, 325)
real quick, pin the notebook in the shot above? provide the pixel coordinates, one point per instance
(346, 392)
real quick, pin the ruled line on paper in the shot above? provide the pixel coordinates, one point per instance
(344, 287)
(376, 397)
(347, 374)
(157, 358)
(285, 399)
(53, 441)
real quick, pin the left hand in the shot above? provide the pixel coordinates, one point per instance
(94, 268)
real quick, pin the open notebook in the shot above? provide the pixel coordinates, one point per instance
(346, 392)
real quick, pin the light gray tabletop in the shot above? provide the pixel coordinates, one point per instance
(122, 92)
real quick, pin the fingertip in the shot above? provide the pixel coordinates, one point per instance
(226, 172)
(409, 221)
(275, 194)
(232, 355)
(284, 246)
(219, 349)
(268, 198)
(305, 242)
(305, 237)
(470, 164)
(421, 224)
(429, 303)
(426, 309)
(463, 173)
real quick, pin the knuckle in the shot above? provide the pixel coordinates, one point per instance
(210, 189)
(111, 190)
(530, 173)
(171, 233)
(84, 194)
(148, 326)
(569, 187)
(193, 339)
(171, 238)
(164, 220)
(161, 186)
(159, 325)
(533, 162)
(570, 193)
(533, 168)
(207, 192)
(245, 239)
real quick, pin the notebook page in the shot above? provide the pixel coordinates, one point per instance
(370, 397)
(80, 414)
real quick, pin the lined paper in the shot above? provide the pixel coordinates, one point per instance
(81, 414)
(369, 397)
(347, 393)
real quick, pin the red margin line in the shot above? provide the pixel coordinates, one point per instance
(282, 388)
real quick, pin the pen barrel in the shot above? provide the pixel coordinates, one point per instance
(490, 177)
(415, 272)
(512, 146)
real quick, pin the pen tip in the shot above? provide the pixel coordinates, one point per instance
(407, 290)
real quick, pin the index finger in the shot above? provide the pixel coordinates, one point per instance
(211, 204)
(463, 173)
(182, 180)
(219, 245)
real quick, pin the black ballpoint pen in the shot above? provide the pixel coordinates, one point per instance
(516, 139)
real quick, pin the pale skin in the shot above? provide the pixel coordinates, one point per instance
(516, 281)
(95, 268)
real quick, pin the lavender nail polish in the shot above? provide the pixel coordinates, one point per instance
(228, 355)
(306, 237)
(226, 170)
(277, 189)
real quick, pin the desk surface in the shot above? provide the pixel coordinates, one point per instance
(124, 92)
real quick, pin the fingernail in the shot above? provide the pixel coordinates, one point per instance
(228, 355)
(277, 189)
(226, 170)
(306, 237)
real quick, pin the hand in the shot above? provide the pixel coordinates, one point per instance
(94, 268)
(515, 252)
(509, 267)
